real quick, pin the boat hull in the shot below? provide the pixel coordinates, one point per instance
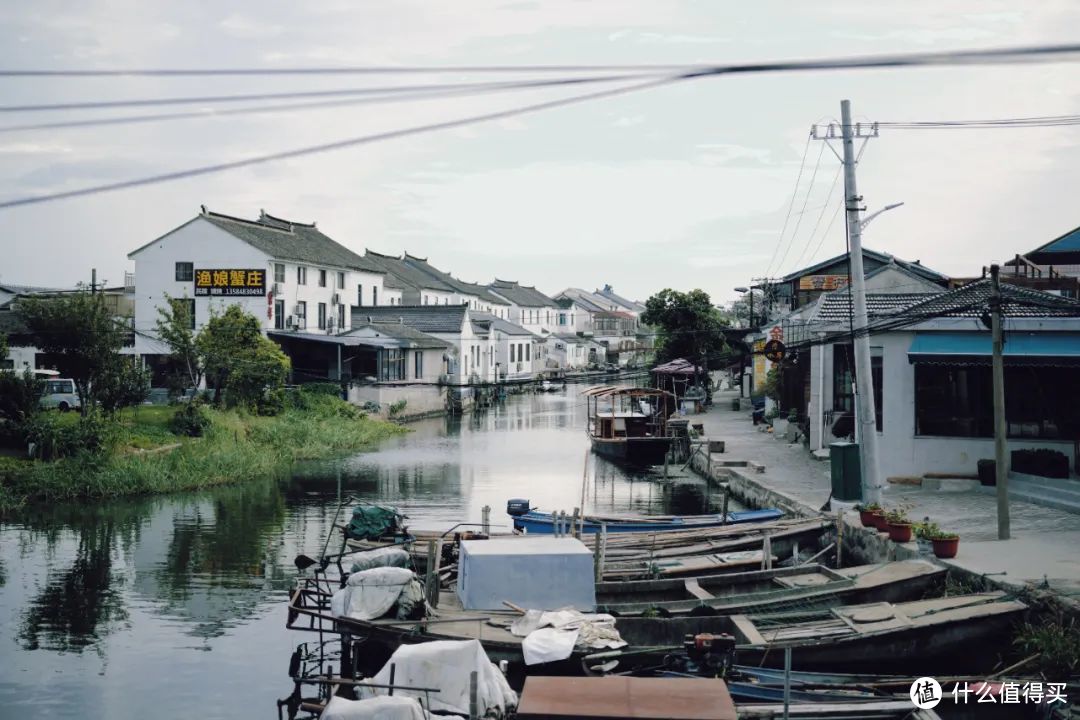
(535, 522)
(633, 451)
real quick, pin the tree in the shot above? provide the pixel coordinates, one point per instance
(80, 334)
(126, 384)
(688, 325)
(20, 395)
(241, 365)
(3, 347)
(175, 327)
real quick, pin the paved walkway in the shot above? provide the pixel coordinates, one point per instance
(1044, 541)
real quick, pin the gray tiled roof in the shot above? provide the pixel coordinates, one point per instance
(451, 282)
(405, 274)
(835, 307)
(607, 292)
(425, 318)
(911, 266)
(497, 323)
(399, 331)
(287, 240)
(521, 295)
(973, 299)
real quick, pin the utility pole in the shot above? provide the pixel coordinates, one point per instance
(863, 385)
(1000, 441)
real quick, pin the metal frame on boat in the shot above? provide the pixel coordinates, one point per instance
(633, 426)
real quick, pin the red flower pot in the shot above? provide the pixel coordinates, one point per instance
(900, 532)
(946, 547)
(866, 517)
(879, 521)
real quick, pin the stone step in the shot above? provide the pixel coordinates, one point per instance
(1053, 492)
(1065, 500)
(1063, 483)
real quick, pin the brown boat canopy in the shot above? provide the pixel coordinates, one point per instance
(614, 390)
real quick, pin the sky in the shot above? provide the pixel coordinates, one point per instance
(685, 186)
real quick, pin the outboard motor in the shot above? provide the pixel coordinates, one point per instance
(516, 507)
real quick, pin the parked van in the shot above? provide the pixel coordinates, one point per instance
(60, 394)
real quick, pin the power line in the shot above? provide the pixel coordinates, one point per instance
(998, 123)
(337, 145)
(963, 57)
(798, 222)
(821, 215)
(337, 92)
(791, 206)
(469, 90)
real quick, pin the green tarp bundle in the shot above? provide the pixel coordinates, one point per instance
(371, 522)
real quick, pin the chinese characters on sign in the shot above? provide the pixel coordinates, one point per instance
(926, 693)
(230, 282)
(823, 282)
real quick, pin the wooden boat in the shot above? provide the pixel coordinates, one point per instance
(629, 424)
(805, 587)
(927, 636)
(535, 521)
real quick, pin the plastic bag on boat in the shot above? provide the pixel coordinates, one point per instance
(445, 665)
(553, 635)
(376, 708)
(379, 557)
(370, 594)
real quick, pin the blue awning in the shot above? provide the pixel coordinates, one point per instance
(975, 348)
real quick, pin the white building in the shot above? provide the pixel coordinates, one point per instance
(289, 275)
(528, 307)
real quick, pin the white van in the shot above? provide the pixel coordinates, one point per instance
(60, 393)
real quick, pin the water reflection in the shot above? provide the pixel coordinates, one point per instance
(185, 592)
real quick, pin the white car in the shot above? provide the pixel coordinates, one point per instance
(60, 394)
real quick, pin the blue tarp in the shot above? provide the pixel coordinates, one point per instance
(941, 347)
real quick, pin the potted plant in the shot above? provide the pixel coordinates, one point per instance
(923, 531)
(945, 543)
(899, 525)
(879, 520)
(867, 512)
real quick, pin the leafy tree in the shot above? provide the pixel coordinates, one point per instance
(688, 324)
(20, 394)
(175, 328)
(126, 384)
(3, 346)
(241, 365)
(79, 331)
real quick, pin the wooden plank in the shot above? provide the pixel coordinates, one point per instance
(692, 587)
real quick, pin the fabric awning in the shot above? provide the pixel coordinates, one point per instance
(975, 348)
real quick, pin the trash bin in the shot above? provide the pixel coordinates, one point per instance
(846, 471)
(735, 404)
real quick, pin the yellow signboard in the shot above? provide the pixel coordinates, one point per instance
(230, 282)
(823, 282)
(760, 370)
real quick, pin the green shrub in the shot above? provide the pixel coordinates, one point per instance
(53, 439)
(20, 395)
(327, 388)
(396, 408)
(191, 420)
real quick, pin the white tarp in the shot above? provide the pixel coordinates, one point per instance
(379, 557)
(370, 594)
(378, 708)
(553, 635)
(445, 665)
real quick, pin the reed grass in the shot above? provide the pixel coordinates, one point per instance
(238, 447)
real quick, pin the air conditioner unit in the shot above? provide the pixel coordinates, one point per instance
(301, 323)
(330, 326)
(275, 288)
(290, 322)
(298, 310)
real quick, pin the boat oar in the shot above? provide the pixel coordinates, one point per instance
(303, 562)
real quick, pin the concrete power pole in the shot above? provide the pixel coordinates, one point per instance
(864, 382)
(1000, 428)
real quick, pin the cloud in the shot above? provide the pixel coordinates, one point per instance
(629, 121)
(246, 28)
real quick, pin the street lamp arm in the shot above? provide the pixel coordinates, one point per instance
(866, 220)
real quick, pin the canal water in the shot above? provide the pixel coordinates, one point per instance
(174, 606)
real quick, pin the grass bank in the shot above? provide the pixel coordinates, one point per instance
(144, 456)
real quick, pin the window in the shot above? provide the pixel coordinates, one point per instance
(528, 351)
(279, 272)
(418, 364)
(322, 316)
(562, 318)
(393, 366)
(185, 271)
(322, 278)
(426, 298)
(340, 280)
(279, 314)
(301, 275)
(301, 309)
(341, 318)
(843, 374)
(374, 296)
(360, 295)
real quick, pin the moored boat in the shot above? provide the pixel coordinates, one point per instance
(629, 424)
(534, 521)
